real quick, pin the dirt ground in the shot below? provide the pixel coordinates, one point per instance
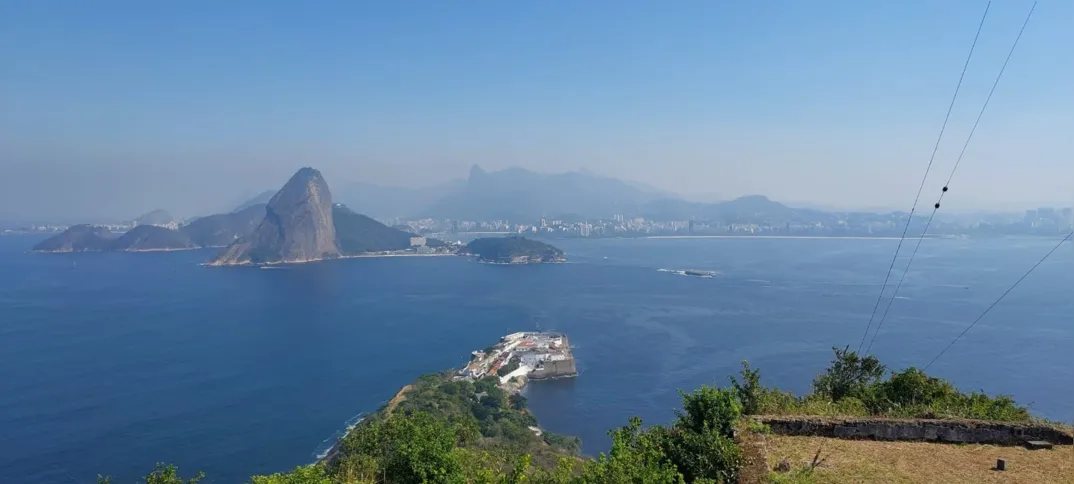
(851, 461)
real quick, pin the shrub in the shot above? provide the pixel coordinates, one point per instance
(749, 390)
(709, 408)
(849, 375)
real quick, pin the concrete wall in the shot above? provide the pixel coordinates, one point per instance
(928, 430)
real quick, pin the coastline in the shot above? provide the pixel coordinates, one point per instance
(850, 237)
(307, 261)
(121, 250)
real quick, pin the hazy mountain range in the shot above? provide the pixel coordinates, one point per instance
(518, 194)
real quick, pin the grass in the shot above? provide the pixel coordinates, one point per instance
(912, 462)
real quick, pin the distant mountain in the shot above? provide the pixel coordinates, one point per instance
(157, 217)
(512, 250)
(385, 202)
(297, 227)
(78, 238)
(222, 229)
(261, 199)
(748, 209)
(518, 194)
(151, 237)
(358, 234)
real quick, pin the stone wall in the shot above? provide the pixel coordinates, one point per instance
(555, 369)
(927, 430)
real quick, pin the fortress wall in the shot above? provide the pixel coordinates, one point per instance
(555, 369)
(956, 431)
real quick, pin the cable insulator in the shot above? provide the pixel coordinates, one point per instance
(945, 188)
(937, 205)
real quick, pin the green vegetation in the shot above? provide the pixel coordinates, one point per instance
(508, 368)
(508, 249)
(359, 234)
(151, 237)
(458, 431)
(855, 386)
(223, 228)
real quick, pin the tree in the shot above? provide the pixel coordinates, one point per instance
(409, 448)
(849, 375)
(517, 401)
(169, 474)
(749, 390)
(701, 444)
(709, 408)
(311, 474)
(636, 457)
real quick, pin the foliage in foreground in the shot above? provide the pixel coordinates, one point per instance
(456, 431)
(855, 386)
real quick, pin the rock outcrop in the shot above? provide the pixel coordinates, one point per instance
(298, 226)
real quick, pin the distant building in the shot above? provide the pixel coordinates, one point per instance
(417, 241)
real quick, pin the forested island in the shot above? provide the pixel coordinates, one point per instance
(512, 250)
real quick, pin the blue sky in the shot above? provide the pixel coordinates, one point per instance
(115, 108)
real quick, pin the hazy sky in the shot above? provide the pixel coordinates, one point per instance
(114, 108)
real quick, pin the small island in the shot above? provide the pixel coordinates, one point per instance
(512, 250)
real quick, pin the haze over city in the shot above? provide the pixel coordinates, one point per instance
(113, 109)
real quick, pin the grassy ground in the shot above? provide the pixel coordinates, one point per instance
(913, 462)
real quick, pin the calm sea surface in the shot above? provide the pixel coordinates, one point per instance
(112, 362)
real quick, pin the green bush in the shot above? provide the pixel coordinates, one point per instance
(709, 408)
(849, 375)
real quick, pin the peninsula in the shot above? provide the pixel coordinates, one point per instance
(483, 398)
(512, 250)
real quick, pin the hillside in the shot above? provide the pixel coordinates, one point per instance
(151, 238)
(518, 194)
(512, 250)
(359, 234)
(222, 229)
(156, 217)
(78, 238)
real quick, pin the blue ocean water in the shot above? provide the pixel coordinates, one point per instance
(112, 362)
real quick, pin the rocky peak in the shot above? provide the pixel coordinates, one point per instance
(297, 227)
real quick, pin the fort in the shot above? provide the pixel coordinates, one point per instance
(523, 356)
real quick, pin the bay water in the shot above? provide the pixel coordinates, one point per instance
(110, 362)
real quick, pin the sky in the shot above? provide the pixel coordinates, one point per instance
(113, 108)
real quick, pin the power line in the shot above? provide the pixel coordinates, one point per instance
(1008, 291)
(946, 185)
(921, 187)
